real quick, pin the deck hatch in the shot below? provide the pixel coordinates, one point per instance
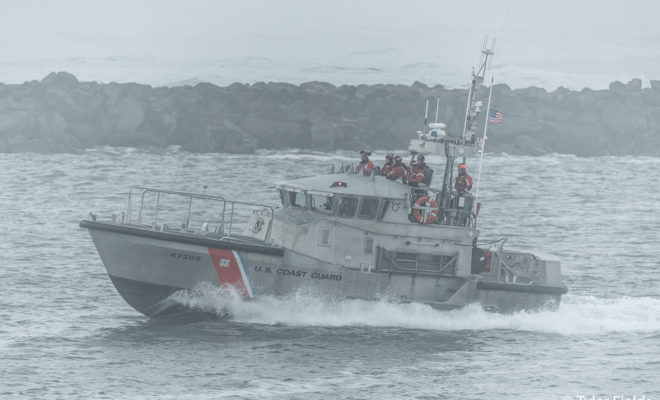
(368, 245)
(325, 237)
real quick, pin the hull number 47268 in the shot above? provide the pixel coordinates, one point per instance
(184, 256)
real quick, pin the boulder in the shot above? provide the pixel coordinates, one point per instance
(61, 79)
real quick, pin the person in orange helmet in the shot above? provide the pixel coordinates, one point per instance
(463, 180)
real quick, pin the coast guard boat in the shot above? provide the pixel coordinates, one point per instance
(338, 235)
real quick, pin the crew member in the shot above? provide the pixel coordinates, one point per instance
(463, 180)
(410, 167)
(397, 172)
(387, 167)
(416, 171)
(421, 162)
(365, 166)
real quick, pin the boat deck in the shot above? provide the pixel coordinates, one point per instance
(208, 239)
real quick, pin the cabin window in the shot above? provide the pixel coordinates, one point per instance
(284, 198)
(383, 209)
(298, 200)
(321, 203)
(347, 207)
(368, 208)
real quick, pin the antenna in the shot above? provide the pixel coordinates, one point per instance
(426, 115)
(492, 52)
(437, 108)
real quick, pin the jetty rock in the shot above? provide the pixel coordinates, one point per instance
(62, 114)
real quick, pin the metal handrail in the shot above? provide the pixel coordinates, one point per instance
(146, 190)
(500, 253)
(451, 213)
(397, 267)
(514, 269)
(190, 196)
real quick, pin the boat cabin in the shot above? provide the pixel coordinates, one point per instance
(367, 221)
(358, 198)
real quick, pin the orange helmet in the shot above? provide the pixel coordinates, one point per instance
(462, 166)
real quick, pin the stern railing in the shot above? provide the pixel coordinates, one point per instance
(515, 267)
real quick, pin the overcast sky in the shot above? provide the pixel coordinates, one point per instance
(159, 42)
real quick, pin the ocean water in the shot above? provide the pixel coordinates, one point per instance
(67, 334)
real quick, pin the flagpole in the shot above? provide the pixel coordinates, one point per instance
(483, 144)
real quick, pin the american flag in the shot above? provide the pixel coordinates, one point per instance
(495, 117)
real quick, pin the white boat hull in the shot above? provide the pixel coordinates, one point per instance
(148, 266)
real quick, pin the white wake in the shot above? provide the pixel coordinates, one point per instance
(577, 315)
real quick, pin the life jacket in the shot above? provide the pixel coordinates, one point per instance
(397, 172)
(416, 174)
(366, 166)
(386, 168)
(463, 183)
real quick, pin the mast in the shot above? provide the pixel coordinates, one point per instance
(473, 106)
(472, 112)
(483, 145)
(462, 144)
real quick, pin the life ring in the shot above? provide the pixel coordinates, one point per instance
(424, 203)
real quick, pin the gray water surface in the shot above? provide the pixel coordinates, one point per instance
(66, 333)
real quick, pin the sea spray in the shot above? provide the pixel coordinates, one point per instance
(577, 315)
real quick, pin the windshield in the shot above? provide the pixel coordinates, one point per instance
(298, 200)
(321, 203)
(347, 206)
(368, 208)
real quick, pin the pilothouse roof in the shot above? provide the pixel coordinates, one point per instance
(348, 184)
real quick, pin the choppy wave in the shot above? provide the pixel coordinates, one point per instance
(577, 315)
(307, 155)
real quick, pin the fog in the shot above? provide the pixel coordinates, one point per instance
(546, 44)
